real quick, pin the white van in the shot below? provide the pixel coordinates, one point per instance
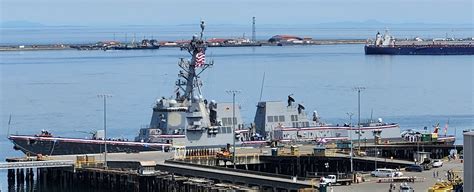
(386, 173)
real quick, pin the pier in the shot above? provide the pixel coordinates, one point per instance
(256, 169)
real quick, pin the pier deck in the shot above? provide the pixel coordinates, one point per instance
(238, 177)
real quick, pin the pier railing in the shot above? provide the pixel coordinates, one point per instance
(251, 158)
(36, 164)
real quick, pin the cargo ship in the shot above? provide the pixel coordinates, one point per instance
(386, 45)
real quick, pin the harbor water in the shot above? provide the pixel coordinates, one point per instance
(57, 90)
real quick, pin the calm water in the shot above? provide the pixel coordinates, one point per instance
(57, 90)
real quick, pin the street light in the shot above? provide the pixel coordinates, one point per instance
(233, 93)
(358, 89)
(350, 137)
(105, 96)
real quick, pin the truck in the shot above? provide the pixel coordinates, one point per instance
(333, 179)
(427, 164)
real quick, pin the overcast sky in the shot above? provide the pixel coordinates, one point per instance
(287, 12)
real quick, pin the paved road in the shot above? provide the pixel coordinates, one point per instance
(373, 186)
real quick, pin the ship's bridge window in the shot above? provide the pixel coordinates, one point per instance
(228, 121)
(270, 118)
(229, 130)
(223, 130)
(294, 117)
(282, 118)
(306, 124)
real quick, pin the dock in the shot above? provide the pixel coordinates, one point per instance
(256, 169)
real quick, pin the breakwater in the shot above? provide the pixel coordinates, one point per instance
(45, 47)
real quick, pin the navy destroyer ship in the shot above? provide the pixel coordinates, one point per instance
(186, 119)
(386, 45)
(289, 122)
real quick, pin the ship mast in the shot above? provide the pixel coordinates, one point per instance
(189, 75)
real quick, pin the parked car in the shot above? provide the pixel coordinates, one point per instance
(437, 163)
(417, 168)
(332, 179)
(406, 188)
(386, 173)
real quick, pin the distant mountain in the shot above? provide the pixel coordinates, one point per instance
(15, 24)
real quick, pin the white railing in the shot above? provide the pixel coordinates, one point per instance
(36, 164)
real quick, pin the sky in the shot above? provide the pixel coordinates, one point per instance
(286, 12)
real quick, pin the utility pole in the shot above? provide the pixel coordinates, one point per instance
(376, 151)
(233, 93)
(455, 135)
(105, 96)
(358, 89)
(350, 137)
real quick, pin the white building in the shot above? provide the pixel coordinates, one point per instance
(468, 161)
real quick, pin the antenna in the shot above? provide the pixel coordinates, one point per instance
(371, 113)
(261, 88)
(9, 122)
(202, 28)
(254, 39)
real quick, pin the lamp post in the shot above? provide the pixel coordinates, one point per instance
(233, 93)
(376, 151)
(105, 96)
(358, 89)
(350, 137)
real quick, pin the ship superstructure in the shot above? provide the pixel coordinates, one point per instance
(285, 122)
(188, 118)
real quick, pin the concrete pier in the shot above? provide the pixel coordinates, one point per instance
(84, 179)
(257, 170)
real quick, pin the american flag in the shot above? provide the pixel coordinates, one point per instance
(200, 59)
